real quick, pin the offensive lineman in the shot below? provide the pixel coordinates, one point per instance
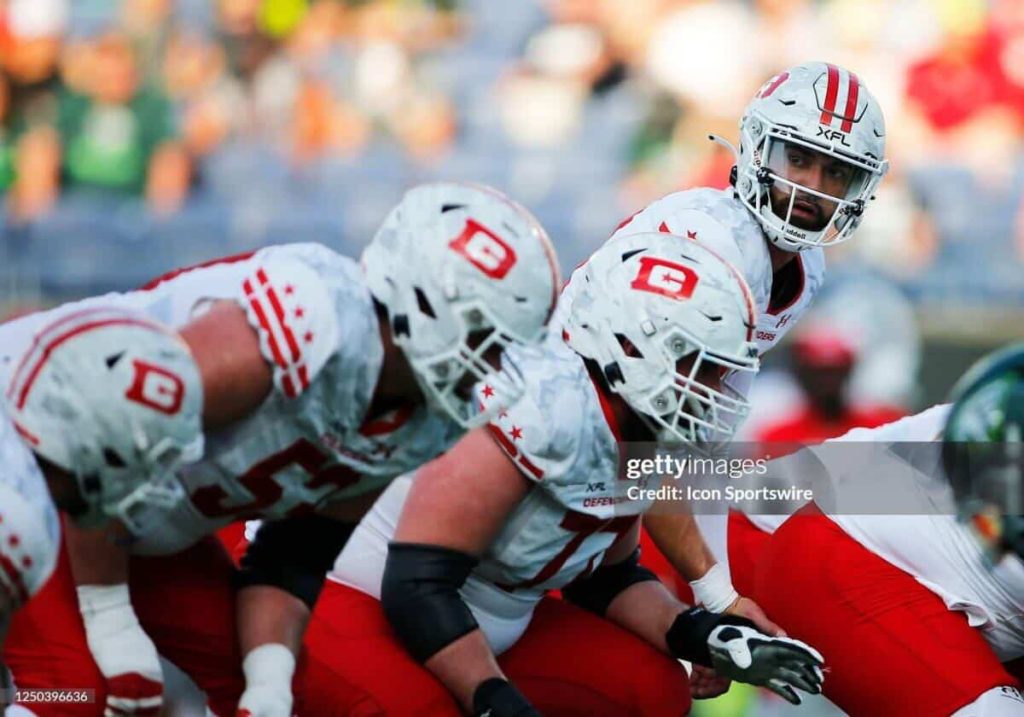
(90, 430)
(536, 503)
(321, 383)
(942, 600)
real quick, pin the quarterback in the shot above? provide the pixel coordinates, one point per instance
(535, 502)
(322, 380)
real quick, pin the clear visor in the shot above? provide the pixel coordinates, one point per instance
(812, 188)
(478, 364)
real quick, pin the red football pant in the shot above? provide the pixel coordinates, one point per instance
(745, 542)
(568, 662)
(891, 645)
(184, 602)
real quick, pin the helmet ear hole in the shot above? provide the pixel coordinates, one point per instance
(91, 484)
(613, 374)
(400, 325)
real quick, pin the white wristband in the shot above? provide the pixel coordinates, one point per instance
(106, 609)
(715, 590)
(271, 664)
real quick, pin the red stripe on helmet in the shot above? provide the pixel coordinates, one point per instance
(850, 113)
(84, 328)
(831, 94)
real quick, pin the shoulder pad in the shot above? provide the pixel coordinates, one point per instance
(288, 302)
(542, 432)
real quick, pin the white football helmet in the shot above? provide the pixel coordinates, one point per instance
(646, 303)
(825, 109)
(462, 270)
(115, 399)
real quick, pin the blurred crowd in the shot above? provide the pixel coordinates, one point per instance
(184, 129)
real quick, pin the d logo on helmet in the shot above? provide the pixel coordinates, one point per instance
(484, 250)
(659, 276)
(156, 388)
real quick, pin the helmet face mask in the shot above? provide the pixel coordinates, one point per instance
(665, 319)
(690, 405)
(798, 113)
(447, 376)
(464, 273)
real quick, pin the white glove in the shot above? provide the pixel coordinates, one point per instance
(268, 682)
(124, 653)
(744, 654)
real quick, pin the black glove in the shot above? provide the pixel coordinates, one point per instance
(499, 698)
(736, 649)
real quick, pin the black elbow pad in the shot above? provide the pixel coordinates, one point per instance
(420, 596)
(294, 554)
(596, 591)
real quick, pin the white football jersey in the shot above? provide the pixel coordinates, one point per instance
(562, 437)
(934, 547)
(309, 443)
(29, 527)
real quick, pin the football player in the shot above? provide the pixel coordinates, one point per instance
(939, 600)
(535, 502)
(811, 155)
(322, 381)
(91, 429)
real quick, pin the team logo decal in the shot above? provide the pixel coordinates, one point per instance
(484, 250)
(156, 388)
(660, 276)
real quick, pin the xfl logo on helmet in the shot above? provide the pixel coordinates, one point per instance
(484, 250)
(156, 388)
(666, 278)
(833, 135)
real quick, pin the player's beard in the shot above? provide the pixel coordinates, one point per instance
(808, 213)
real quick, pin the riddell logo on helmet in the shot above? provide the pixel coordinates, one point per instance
(484, 250)
(156, 388)
(666, 278)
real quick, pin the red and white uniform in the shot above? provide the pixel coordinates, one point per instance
(309, 444)
(936, 548)
(562, 437)
(29, 528)
(683, 213)
(914, 588)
